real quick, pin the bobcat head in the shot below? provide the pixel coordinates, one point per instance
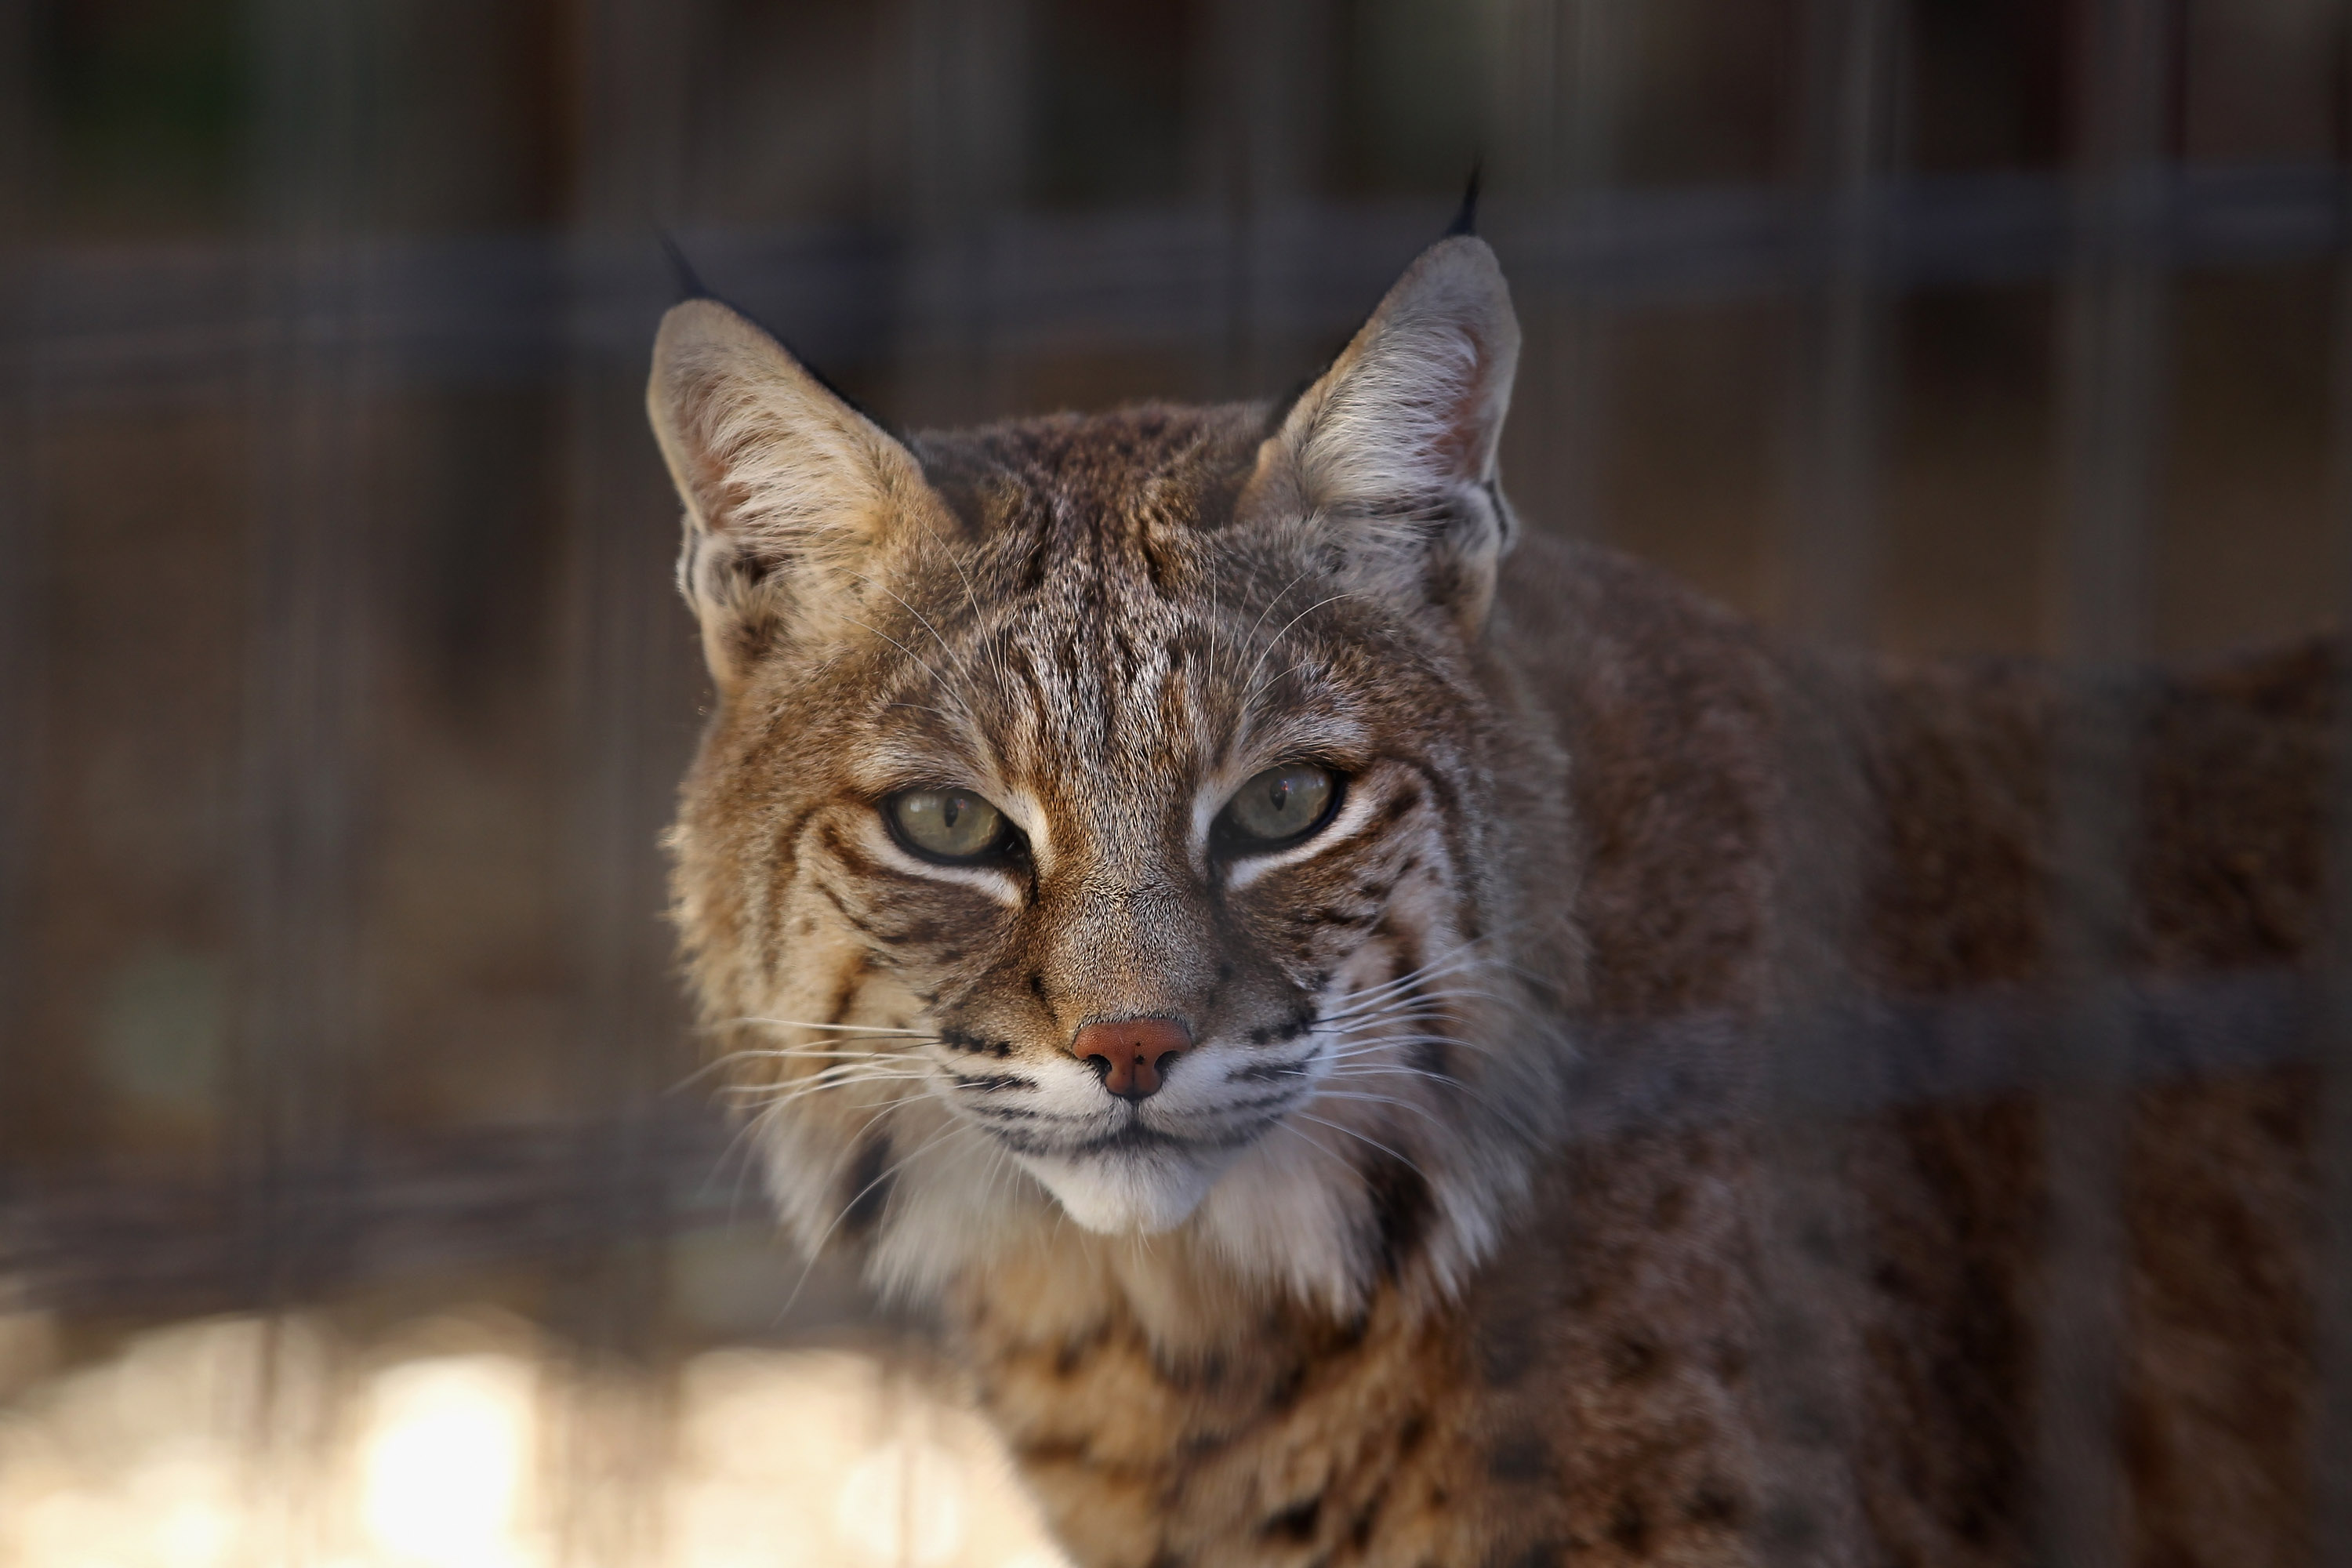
(1118, 818)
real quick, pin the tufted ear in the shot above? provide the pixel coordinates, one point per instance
(1394, 446)
(795, 500)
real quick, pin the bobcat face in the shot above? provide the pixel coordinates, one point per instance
(1099, 815)
(1108, 723)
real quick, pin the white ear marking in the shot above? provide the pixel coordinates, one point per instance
(1394, 448)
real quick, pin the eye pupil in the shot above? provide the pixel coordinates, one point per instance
(1279, 794)
(952, 810)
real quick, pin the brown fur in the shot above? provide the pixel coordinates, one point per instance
(1589, 1395)
(1619, 1375)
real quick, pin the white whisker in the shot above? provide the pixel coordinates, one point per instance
(817, 1248)
(1248, 680)
(1421, 1111)
(1361, 1137)
(877, 1031)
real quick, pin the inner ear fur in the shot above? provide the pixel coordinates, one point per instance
(795, 500)
(1395, 446)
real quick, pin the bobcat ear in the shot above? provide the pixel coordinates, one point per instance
(795, 499)
(1393, 447)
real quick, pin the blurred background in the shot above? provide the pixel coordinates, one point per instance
(354, 1206)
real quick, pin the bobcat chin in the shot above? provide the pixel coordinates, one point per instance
(1170, 879)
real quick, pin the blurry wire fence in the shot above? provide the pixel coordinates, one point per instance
(341, 692)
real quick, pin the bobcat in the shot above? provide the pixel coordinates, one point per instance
(1290, 969)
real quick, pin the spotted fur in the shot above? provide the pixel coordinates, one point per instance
(1365, 1281)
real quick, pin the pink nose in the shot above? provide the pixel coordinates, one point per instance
(1134, 1052)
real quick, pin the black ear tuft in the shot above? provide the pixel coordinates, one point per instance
(1466, 221)
(691, 286)
(689, 282)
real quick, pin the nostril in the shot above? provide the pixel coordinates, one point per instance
(1131, 1056)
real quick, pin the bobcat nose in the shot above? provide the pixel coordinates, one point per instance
(1132, 1053)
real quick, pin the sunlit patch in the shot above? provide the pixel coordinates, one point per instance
(221, 1443)
(827, 1460)
(146, 1459)
(903, 1503)
(443, 1463)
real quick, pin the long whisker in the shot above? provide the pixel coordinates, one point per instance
(1510, 1113)
(877, 1031)
(1251, 696)
(1258, 624)
(1360, 1138)
(922, 707)
(1415, 991)
(1385, 1071)
(1459, 949)
(1329, 1155)
(944, 684)
(1420, 1004)
(816, 1249)
(784, 1053)
(1249, 680)
(813, 1053)
(754, 1123)
(971, 595)
(1398, 1069)
(919, 614)
(1421, 1111)
(1375, 1046)
(784, 1094)
(1439, 968)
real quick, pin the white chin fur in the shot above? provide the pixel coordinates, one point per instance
(1127, 1194)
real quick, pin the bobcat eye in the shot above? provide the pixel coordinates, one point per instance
(945, 823)
(1288, 802)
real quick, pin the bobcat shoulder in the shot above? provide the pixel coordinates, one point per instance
(1287, 964)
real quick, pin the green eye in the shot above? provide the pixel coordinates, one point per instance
(945, 823)
(1281, 802)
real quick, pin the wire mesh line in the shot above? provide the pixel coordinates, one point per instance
(23, 625)
(966, 59)
(1562, 65)
(631, 672)
(2330, 1436)
(142, 326)
(1262, 318)
(302, 840)
(1813, 1365)
(107, 1239)
(2112, 321)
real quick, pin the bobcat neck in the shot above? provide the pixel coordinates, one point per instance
(1591, 1382)
(1610, 1386)
(1594, 1388)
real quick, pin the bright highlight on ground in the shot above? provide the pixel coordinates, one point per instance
(446, 1450)
(230, 1443)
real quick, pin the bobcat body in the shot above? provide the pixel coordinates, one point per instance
(1392, 1267)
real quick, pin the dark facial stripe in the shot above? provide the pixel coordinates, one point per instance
(994, 1082)
(867, 1185)
(844, 994)
(1402, 1208)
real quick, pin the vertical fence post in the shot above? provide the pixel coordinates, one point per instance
(1269, 66)
(966, 62)
(2331, 1426)
(22, 556)
(293, 1140)
(2113, 360)
(626, 651)
(1560, 69)
(1824, 825)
